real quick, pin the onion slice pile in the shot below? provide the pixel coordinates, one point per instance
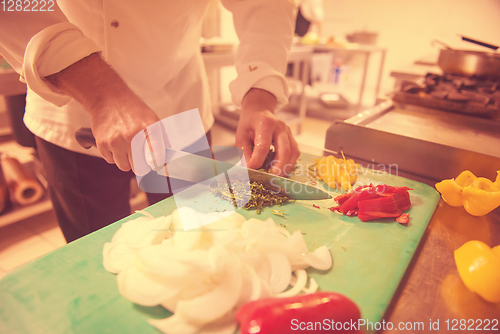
(203, 275)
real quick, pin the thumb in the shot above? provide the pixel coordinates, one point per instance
(148, 149)
(154, 146)
(139, 163)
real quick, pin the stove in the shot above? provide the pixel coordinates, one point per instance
(460, 94)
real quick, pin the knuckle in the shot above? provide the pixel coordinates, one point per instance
(115, 141)
(268, 122)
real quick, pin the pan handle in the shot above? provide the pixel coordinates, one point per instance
(438, 43)
(486, 45)
(85, 138)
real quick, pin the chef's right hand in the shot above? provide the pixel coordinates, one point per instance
(126, 132)
(117, 113)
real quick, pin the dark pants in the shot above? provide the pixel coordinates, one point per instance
(87, 193)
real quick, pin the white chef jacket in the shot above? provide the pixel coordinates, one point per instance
(154, 47)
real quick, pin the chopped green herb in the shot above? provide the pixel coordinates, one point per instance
(278, 213)
(256, 196)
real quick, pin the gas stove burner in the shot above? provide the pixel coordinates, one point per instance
(469, 95)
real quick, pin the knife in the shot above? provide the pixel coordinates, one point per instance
(200, 166)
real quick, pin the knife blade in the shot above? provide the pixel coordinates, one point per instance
(201, 166)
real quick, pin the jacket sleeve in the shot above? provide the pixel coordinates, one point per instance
(38, 44)
(265, 29)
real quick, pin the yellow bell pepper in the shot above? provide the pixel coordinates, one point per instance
(479, 267)
(337, 173)
(478, 195)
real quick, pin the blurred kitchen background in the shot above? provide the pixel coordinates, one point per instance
(354, 59)
(403, 28)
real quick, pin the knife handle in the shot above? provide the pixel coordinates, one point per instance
(85, 138)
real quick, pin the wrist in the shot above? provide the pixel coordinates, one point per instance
(257, 99)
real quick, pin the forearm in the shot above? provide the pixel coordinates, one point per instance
(93, 83)
(117, 114)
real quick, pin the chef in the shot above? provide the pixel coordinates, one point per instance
(119, 66)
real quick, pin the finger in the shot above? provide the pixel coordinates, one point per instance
(246, 146)
(262, 143)
(121, 161)
(106, 154)
(293, 156)
(130, 159)
(295, 151)
(283, 150)
(139, 162)
(156, 145)
(260, 152)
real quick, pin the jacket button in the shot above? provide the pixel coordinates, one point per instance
(114, 24)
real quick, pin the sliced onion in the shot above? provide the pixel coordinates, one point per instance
(144, 289)
(145, 213)
(218, 258)
(313, 286)
(175, 324)
(281, 272)
(170, 261)
(178, 325)
(252, 281)
(224, 325)
(214, 304)
(117, 257)
(202, 275)
(320, 259)
(191, 217)
(299, 285)
(142, 231)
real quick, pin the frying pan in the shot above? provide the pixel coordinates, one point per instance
(468, 62)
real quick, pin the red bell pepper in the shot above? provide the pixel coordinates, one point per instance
(312, 313)
(372, 202)
(385, 206)
(404, 218)
(352, 202)
(342, 198)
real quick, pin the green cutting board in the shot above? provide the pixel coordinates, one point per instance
(68, 290)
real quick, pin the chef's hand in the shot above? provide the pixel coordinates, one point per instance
(259, 127)
(117, 113)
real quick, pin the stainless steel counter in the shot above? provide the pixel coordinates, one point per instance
(430, 145)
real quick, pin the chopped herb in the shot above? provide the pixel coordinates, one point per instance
(283, 226)
(278, 213)
(250, 195)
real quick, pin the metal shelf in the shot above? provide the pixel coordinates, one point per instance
(21, 213)
(18, 212)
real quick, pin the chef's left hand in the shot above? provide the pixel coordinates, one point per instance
(259, 126)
